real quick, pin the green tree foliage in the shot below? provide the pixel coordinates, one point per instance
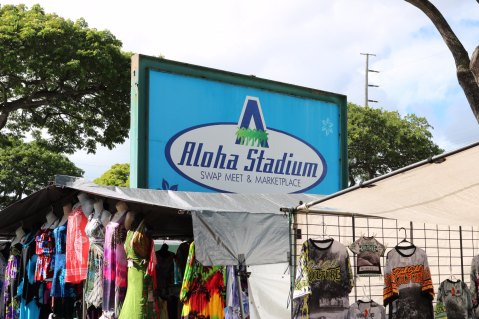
(381, 141)
(117, 175)
(27, 167)
(62, 78)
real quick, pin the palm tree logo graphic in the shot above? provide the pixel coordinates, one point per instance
(252, 113)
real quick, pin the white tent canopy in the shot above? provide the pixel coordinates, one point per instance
(442, 190)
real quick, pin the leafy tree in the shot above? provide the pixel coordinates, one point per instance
(380, 141)
(62, 79)
(467, 70)
(27, 167)
(117, 175)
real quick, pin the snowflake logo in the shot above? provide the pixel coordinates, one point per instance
(327, 127)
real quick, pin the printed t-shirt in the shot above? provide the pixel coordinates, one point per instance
(454, 299)
(474, 284)
(323, 281)
(369, 252)
(408, 288)
(366, 310)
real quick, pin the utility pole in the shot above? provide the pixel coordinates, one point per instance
(367, 85)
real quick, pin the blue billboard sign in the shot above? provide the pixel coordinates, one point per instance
(205, 134)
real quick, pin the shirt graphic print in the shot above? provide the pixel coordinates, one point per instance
(408, 288)
(369, 252)
(323, 281)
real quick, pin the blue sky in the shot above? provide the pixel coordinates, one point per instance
(313, 43)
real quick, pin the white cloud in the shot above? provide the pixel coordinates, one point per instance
(95, 165)
(314, 43)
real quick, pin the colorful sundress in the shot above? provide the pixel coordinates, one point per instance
(77, 246)
(44, 249)
(94, 283)
(31, 289)
(59, 287)
(137, 305)
(114, 268)
(11, 299)
(63, 293)
(202, 290)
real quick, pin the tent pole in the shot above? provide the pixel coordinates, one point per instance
(290, 259)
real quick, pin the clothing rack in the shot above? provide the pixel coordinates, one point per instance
(450, 249)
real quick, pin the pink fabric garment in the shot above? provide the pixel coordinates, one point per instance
(115, 268)
(77, 247)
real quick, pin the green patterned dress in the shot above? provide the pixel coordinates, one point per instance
(138, 297)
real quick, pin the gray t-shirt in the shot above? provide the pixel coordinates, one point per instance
(408, 286)
(456, 298)
(369, 252)
(323, 281)
(474, 284)
(366, 310)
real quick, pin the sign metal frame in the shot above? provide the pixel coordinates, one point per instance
(140, 70)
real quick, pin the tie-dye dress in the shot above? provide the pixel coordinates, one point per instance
(60, 288)
(94, 282)
(114, 268)
(202, 290)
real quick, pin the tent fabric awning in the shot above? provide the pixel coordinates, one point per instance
(223, 225)
(221, 237)
(443, 190)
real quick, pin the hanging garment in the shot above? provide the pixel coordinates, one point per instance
(165, 271)
(408, 286)
(140, 284)
(168, 279)
(94, 282)
(456, 300)
(77, 246)
(366, 310)
(474, 283)
(369, 252)
(30, 290)
(12, 279)
(153, 302)
(60, 288)
(181, 257)
(45, 245)
(323, 280)
(232, 309)
(3, 267)
(202, 290)
(114, 268)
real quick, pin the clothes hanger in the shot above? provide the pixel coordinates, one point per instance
(366, 298)
(405, 241)
(323, 235)
(452, 277)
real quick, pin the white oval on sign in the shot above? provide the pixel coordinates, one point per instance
(208, 155)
